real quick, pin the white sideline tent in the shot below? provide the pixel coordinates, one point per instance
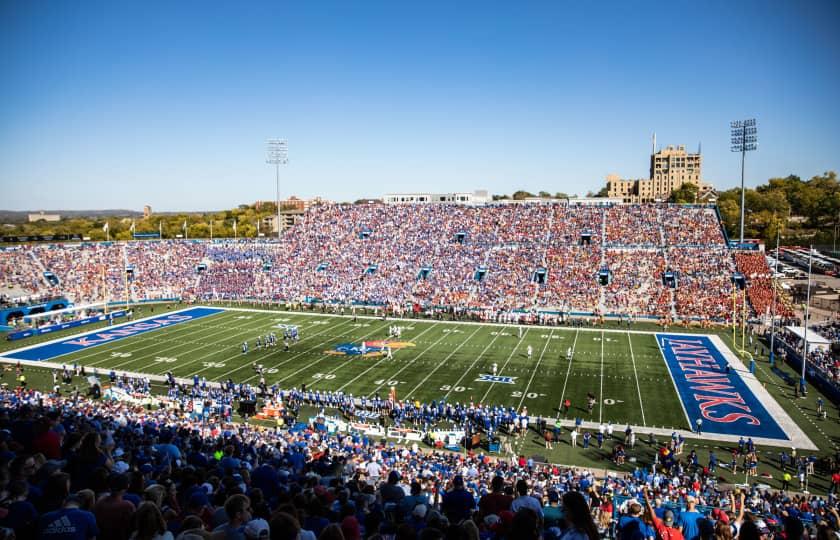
(815, 341)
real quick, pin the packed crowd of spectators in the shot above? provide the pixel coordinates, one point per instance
(704, 281)
(754, 267)
(633, 225)
(21, 274)
(478, 257)
(71, 467)
(635, 286)
(696, 228)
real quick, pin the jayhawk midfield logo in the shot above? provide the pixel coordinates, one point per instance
(367, 348)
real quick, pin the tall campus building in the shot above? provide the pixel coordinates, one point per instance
(670, 168)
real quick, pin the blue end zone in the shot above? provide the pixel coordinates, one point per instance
(721, 399)
(71, 345)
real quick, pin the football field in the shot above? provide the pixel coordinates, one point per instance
(627, 372)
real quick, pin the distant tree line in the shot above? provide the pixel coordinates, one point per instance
(171, 224)
(803, 211)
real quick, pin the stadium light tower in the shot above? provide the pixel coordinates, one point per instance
(277, 153)
(744, 139)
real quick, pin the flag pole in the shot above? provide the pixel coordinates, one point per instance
(743, 319)
(734, 312)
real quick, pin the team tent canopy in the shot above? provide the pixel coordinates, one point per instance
(815, 341)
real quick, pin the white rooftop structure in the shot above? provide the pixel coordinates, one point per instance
(476, 197)
(815, 341)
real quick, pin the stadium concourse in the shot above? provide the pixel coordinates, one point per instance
(78, 467)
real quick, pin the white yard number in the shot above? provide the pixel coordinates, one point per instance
(452, 331)
(244, 317)
(121, 354)
(166, 359)
(213, 364)
(271, 370)
(450, 388)
(327, 376)
(529, 395)
(380, 382)
(320, 322)
(499, 333)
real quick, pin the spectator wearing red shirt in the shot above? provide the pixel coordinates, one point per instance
(47, 440)
(113, 513)
(664, 527)
(496, 501)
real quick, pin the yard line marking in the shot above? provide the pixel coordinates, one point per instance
(441, 364)
(227, 341)
(569, 370)
(378, 362)
(506, 363)
(601, 392)
(279, 350)
(324, 356)
(161, 337)
(127, 343)
(156, 343)
(233, 343)
(534, 372)
(159, 340)
(406, 366)
(296, 355)
(446, 395)
(636, 375)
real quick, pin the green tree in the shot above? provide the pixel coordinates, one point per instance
(686, 193)
(520, 195)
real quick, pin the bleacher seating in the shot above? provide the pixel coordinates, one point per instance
(572, 243)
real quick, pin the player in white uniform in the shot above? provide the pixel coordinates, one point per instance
(530, 352)
(569, 353)
(495, 368)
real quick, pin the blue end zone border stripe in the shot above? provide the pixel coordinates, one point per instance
(723, 400)
(93, 339)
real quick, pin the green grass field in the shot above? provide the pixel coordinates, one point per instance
(625, 371)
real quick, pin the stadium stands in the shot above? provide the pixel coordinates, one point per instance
(116, 470)
(482, 257)
(759, 285)
(110, 469)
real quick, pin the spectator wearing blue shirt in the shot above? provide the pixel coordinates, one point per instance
(690, 519)
(457, 503)
(68, 523)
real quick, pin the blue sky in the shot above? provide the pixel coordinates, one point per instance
(119, 104)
